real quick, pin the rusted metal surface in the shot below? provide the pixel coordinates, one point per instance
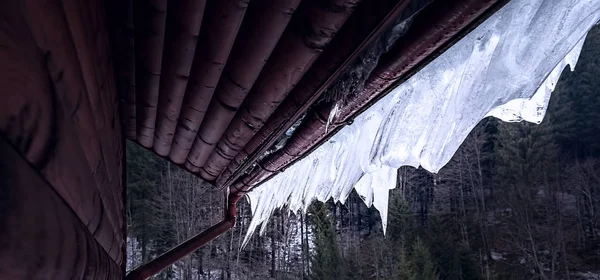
(370, 20)
(265, 23)
(432, 31)
(300, 46)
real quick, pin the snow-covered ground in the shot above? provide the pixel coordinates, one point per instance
(134, 254)
(506, 68)
(587, 275)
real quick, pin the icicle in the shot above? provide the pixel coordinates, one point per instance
(332, 115)
(507, 68)
(533, 109)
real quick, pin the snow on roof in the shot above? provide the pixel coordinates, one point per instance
(506, 68)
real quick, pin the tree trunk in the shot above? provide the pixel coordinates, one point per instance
(307, 247)
(200, 267)
(302, 253)
(273, 249)
(144, 249)
(229, 249)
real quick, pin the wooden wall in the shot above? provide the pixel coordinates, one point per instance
(58, 112)
(41, 236)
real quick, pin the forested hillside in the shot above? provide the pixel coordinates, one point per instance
(517, 201)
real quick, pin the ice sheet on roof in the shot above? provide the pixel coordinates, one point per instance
(506, 68)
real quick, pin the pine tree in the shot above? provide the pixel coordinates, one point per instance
(524, 153)
(404, 269)
(422, 263)
(526, 162)
(450, 252)
(401, 222)
(352, 264)
(573, 108)
(561, 113)
(585, 94)
(326, 263)
(143, 178)
(149, 226)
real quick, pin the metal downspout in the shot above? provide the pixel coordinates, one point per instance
(178, 252)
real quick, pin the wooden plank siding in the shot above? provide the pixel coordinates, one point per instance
(58, 109)
(41, 237)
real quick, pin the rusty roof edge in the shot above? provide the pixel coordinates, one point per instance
(381, 27)
(293, 57)
(261, 175)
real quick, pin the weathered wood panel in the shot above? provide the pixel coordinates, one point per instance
(59, 108)
(150, 19)
(40, 236)
(120, 14)
(89, 29)
(27, 118)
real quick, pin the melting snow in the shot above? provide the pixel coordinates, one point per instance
(506, 68)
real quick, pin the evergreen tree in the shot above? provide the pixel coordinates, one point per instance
(143, 179)
(150, 227)
(526, 162)
(573, 108)
(326, 263)
(422, 263)
(451, 254)
(524, 152)
(353, 270)
(562, 115)
(585, 93)
(404, 269)
(401, 222)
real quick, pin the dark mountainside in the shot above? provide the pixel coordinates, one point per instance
(517, 201)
